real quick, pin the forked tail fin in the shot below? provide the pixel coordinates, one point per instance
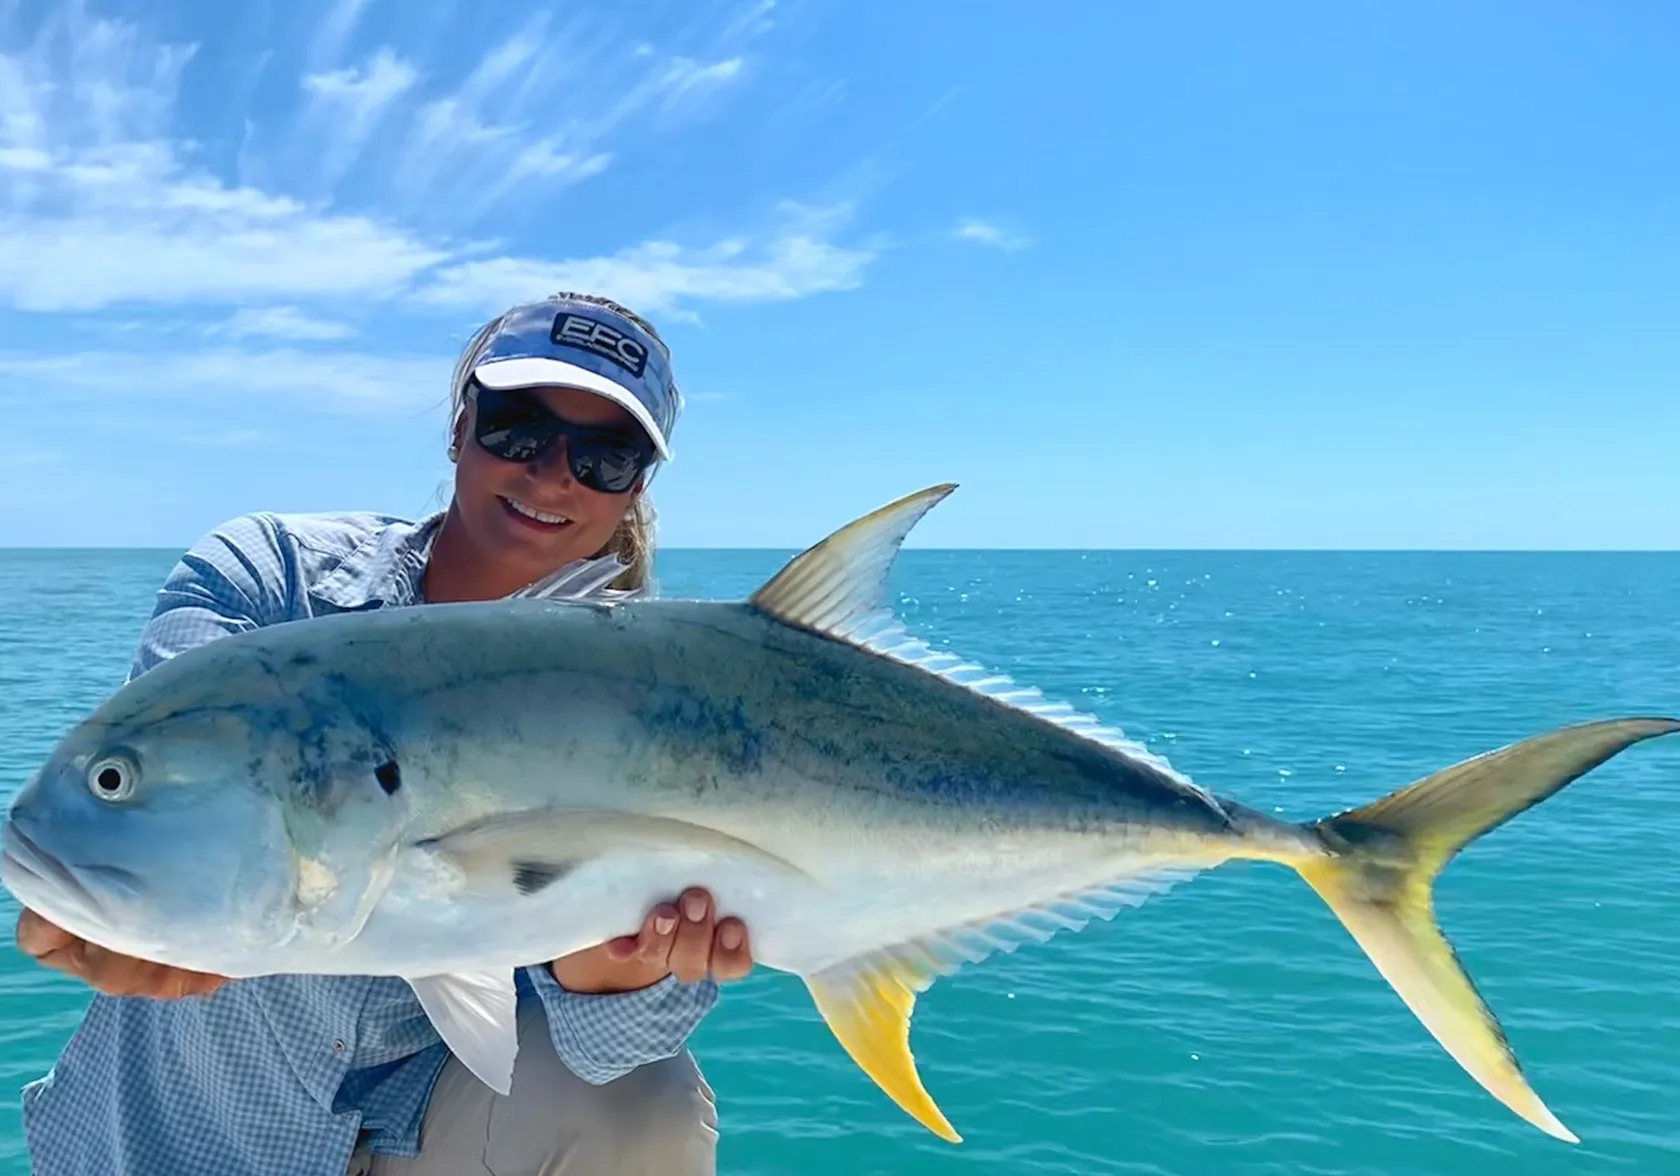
(1379, 880)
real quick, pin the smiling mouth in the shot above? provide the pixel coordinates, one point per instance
(532, 517)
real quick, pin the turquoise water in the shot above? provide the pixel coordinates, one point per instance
(1230, 1026)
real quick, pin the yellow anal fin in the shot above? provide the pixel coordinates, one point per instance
(868, 1007)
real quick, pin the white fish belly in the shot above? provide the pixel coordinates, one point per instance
(843, 897)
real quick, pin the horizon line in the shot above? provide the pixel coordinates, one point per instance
(963, 550)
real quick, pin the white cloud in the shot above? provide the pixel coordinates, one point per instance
(107, 208)
(225, 439)
(687, 79)
(539, 107)
(337, 381)
(24, 159)
(750, 20)
(282, 322)
(333, 31)
(348, 105)
(14, 458)
(88, 261)
(985, 233)
(107, 203)
(793, 262)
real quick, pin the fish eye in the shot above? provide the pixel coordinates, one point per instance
(112, 778)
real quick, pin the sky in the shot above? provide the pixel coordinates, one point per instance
(1134, 275)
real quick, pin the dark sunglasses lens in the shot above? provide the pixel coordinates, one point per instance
(608, 464)
(514, 427)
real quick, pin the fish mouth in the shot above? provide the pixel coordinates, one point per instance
(26, 863)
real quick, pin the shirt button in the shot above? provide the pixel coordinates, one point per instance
(338, 1045)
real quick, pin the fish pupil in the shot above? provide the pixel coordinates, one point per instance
(389, 776)
(110, 780)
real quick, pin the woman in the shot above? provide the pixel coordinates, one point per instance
(561, 412)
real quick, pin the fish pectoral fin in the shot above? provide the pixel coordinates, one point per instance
(842, 582)
(579, 580)
(867, 1005)
(476, 1015)
(530, 851)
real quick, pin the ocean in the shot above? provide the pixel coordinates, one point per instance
(1230, 1026)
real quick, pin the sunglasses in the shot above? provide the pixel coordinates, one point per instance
(514, 425)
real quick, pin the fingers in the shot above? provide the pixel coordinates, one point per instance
(659, 932)
(731, 953)
(107, 971)
(691, 954)
(120, 975)
(705, 945)
(684, 939)
(37, 937)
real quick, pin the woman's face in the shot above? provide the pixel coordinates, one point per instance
(535, 515)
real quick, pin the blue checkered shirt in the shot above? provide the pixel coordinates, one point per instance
(277, 1076)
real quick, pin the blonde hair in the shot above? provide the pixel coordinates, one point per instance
(632, 540)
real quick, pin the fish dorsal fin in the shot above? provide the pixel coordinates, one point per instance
(581, 579)
(841, 583)
(839, 589)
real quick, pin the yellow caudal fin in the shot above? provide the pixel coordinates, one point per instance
(1380, 873)
(867, 1007)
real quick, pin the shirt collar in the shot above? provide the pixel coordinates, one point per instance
(385, 568)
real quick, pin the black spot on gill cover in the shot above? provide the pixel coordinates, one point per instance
(389, 776)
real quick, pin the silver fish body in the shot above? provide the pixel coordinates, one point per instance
(446, 792)
(887, 804)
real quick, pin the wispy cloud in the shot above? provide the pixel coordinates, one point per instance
(103, 203)
(751, 19)
(797, 259)
(359, 186)
(986, 233)
(15, 458)
(335, 381)
(281, 322)
(686, 80)
(100, 205)
(346, 106)
(333, 31)
(224, 439)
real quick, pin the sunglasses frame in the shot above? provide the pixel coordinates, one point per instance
(583, 461)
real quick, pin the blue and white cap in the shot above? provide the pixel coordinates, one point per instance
(573, 342)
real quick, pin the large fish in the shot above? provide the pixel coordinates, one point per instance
(445, 792)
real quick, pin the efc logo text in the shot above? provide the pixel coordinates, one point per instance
(573, 330)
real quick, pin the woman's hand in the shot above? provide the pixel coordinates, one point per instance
(110, 973)
(685, 939)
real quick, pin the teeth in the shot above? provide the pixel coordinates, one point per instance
(551, 519)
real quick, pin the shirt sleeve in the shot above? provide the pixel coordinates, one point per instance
(229, 581)
(605, 1036)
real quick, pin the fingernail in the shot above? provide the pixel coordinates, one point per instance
(694, 907)
(730, 937)
(664, 924)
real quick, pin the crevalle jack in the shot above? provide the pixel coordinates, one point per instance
(446, 792)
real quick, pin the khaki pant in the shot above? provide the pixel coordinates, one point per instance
(659, 1120)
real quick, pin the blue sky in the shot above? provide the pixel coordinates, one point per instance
(1135, 275)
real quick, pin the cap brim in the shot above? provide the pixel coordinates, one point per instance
(502, 374)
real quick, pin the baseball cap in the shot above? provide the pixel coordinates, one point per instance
(572, 342)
